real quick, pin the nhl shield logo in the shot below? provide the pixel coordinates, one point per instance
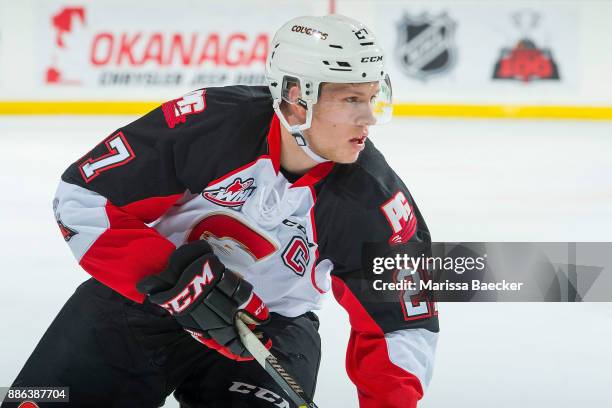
(425, 45)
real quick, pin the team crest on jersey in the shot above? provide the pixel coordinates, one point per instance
(233, 195)
(296, 255)
(400, 216)
(177, 110)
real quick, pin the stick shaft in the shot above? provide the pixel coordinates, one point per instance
(272, 366)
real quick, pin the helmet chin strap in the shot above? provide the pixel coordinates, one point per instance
(301, 141)
(297, 131)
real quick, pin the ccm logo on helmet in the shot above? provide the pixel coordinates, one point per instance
(309, 31)
(191, 292)
(372, 59)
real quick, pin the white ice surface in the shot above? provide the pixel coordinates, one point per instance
(474, 180)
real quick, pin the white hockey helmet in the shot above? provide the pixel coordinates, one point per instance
(308, 51)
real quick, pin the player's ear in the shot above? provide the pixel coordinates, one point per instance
(296, 109)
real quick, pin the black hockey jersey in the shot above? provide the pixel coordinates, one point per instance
(207, 166)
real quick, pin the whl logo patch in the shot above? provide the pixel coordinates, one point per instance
(234, 195)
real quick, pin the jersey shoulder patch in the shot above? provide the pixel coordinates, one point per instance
(176, 111)
(227, 98)
(375, 201)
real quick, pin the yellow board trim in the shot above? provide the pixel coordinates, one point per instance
(400, 110)
(76, 107)
(506, 111)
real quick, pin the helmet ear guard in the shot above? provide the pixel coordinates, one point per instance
(291, 82)
(304, 101)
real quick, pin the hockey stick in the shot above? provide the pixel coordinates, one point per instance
(272, 366)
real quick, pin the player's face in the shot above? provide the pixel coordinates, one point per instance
(341, 119)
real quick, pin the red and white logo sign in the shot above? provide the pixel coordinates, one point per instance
(94, 46)
(63, 23)
(398, 212)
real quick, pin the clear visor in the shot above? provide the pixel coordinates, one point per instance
(358, 104)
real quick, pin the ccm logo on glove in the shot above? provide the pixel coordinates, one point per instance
(205, 297)
(192, 291)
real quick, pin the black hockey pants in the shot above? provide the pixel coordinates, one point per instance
(113, 352)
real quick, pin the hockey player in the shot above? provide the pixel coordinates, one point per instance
(253, 199)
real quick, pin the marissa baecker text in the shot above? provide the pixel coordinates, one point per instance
(475, 284)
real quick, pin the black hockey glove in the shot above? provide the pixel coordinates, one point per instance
(204, 297)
